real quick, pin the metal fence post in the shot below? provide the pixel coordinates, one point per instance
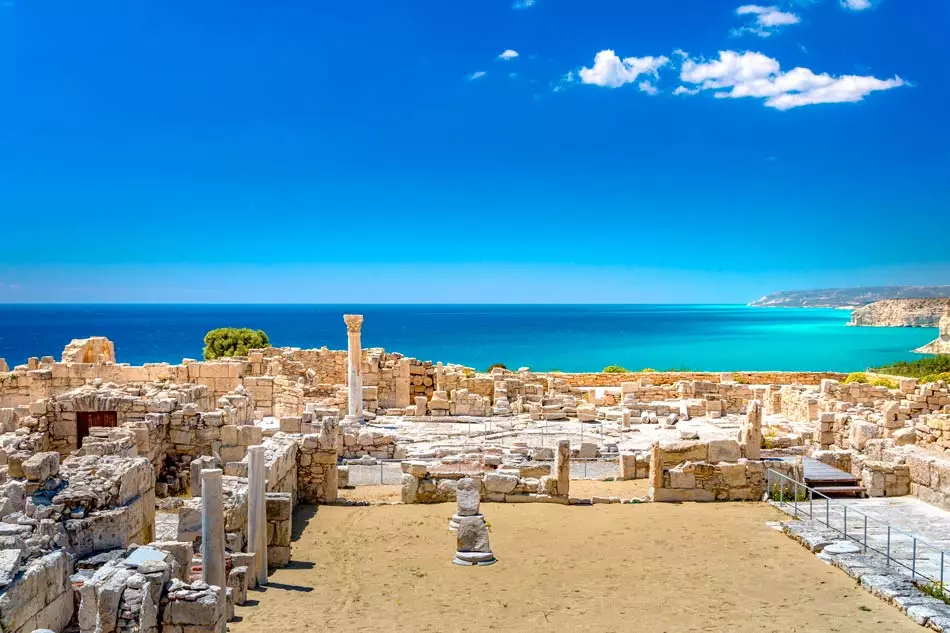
(781, 493)
(768, 484)
(941, 570)
(913, 561)
(888, 544)
(380, 473)
(795, 500)
(811, 503)
(846, 523)
(865, 534)
(585, 469)
(828, 511)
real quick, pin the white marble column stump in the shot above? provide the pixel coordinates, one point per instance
(354, 367)
(212, 532)
(257, 510)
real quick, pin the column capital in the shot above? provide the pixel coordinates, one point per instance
(353, 322)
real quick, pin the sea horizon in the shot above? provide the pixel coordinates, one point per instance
(544, 337)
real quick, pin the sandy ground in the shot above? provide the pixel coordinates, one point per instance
(579, 488)
(607, 568)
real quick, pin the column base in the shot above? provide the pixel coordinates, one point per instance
(474, 559)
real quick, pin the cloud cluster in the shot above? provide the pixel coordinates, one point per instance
(609, 71)
(736, 75)
(856, 5)
(508, 54)
(766, 20)
(523, 4)
(478, 74)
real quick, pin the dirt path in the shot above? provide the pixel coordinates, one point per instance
(609, 568)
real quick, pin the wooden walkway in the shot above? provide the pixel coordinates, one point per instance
(829, 480)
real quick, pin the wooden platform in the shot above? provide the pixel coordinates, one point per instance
(829, 480)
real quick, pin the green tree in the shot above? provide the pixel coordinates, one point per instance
(615, 369)
(231, 341)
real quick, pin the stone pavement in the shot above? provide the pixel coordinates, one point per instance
(909, 519)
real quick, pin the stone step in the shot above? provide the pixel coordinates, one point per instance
(840, 490)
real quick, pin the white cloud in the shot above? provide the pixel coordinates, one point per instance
(647, 87)
(683, 90)
(735, 75)
(856, 5)
(765, 20)
(566, 81)
(609, 71)
(478, 74)
(523, 4)
(508, 54)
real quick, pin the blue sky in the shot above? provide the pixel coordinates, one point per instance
(470, 151)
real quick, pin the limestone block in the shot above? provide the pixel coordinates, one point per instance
(733, 475)
(861, 432)
(500, 483)
(41, 466)
(723, 451)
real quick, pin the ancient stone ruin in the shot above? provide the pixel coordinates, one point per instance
(154, 497)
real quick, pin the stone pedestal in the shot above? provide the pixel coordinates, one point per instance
(257, 510)
(354, 367)
(212, 532)
(472, 547)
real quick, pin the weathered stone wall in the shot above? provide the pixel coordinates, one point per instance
(710, 471)
(40, 598)
(671, 377)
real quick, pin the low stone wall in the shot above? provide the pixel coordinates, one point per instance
(279, 513)
(41, 597)
(671, 377)
(929, 477)
(711, 471)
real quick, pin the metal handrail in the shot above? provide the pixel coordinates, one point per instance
(812, 493)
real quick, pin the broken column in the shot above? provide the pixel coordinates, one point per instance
(562, 467)
(212, 528)
(354, 367)
(257, 511)
(750, 438)
(472, 546)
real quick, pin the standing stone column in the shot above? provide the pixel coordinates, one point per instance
(354, 367)
(562, 467)
(212, 528)
(750, 438)
(257, 510)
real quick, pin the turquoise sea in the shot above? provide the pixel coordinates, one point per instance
(543, 337)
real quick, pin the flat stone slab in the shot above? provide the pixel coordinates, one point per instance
(842, 547)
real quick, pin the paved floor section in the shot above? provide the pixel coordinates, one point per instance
(910, 520)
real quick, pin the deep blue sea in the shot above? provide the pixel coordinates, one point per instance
(543, 337)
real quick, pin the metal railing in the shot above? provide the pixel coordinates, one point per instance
(389, 472)
(894, 538)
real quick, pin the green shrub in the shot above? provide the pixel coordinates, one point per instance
(494, 366)
(944, 376)
(919, 368)
(649, 370)
(858, 376)
(225, 342)
(936, 590)
(884, 382)
(615, 369)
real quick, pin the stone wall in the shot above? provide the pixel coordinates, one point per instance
(711, 471)
(671, 377)
(41, 597)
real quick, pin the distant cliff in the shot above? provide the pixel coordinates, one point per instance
(901, 313)
(848, 297)
(942, 344)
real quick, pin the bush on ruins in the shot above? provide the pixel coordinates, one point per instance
(231, 341)
(615, 369)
